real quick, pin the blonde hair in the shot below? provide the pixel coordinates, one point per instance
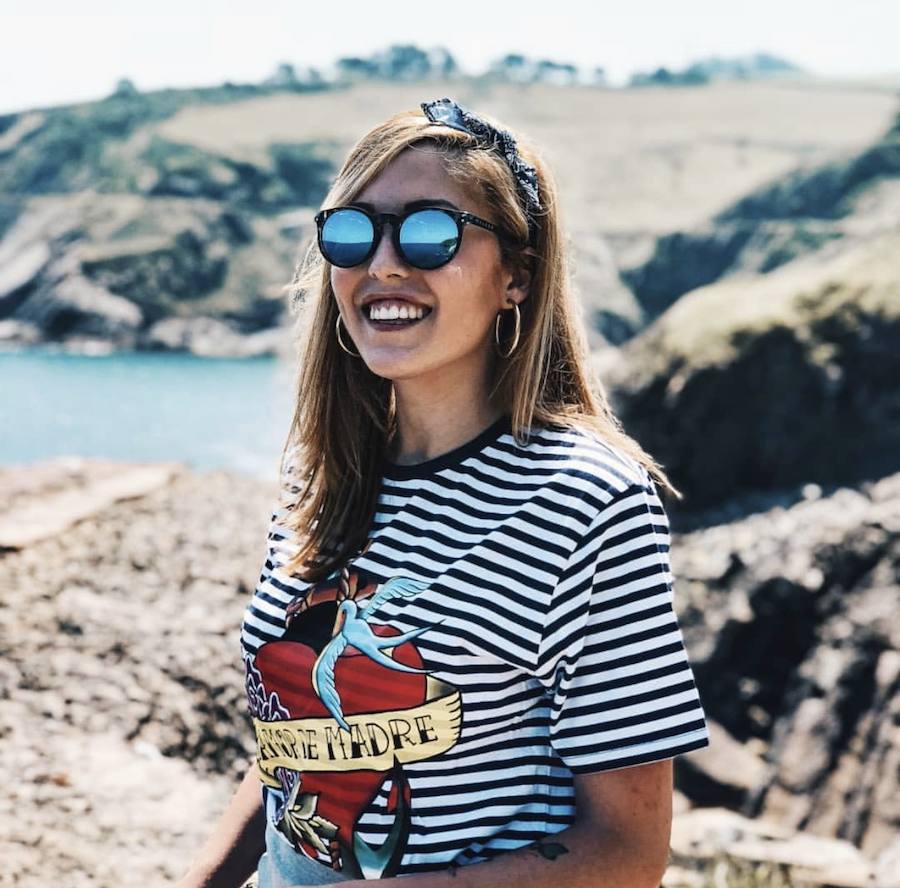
(345, 416)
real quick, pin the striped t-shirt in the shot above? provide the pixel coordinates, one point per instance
(508, 624)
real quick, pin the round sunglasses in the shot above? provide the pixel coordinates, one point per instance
(425, 238)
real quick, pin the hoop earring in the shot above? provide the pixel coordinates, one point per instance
(337, 330)
(515, 341)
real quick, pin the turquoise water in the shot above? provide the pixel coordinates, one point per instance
(211, 413)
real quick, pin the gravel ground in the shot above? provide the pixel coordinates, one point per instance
(121, 689)
(122, 710)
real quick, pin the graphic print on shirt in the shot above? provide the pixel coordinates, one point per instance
(339, 705)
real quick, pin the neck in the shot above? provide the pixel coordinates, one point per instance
(430, 425)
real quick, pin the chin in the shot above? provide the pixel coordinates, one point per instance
(393, 368)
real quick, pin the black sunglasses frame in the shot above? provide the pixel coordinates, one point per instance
(460, 217)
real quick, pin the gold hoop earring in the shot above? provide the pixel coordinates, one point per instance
(515, 341)
(337, 329)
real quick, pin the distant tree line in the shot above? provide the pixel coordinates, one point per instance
(715, 68)
(406, 62)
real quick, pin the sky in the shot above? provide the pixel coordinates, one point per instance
(59, 52)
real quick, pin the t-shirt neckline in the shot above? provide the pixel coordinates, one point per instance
(452, 457)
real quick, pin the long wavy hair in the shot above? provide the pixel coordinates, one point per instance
(345, 419)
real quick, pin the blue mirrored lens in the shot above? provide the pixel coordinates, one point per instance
(428, 238)
(347, 237)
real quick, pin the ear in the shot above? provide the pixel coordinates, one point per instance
(519, 285)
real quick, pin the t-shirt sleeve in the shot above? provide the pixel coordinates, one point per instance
(611, 655)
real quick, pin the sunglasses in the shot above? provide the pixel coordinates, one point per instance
(425, 238)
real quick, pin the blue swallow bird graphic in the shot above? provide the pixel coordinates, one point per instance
(352, 628)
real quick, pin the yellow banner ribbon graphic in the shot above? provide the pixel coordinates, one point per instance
(375, 739)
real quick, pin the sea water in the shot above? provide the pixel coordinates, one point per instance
(210, 413)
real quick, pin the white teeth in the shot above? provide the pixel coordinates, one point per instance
(394, 312)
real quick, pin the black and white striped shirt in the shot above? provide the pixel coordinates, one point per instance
(533, 589)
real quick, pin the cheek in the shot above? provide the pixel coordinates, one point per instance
(467, 308)
(468, 293)
(454, 277)
(343, 282)
(339, 278)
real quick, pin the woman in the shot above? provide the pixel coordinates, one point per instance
(462, 649)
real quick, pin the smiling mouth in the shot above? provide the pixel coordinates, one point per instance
(392, 319)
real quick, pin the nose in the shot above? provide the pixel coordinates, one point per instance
(385, 261)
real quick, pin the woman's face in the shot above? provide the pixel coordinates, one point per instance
(452, 345)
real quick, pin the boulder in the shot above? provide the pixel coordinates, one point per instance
(789, 616)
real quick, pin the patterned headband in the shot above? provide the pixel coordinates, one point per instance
(449, 113)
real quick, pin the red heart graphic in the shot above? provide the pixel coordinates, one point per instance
(364, 686)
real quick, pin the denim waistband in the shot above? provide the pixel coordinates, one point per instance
(283, 867)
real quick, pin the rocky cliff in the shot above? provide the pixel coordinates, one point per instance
(756, 384)
(115, 236)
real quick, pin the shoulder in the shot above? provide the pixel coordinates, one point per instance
(578, 456)
(582, 480)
